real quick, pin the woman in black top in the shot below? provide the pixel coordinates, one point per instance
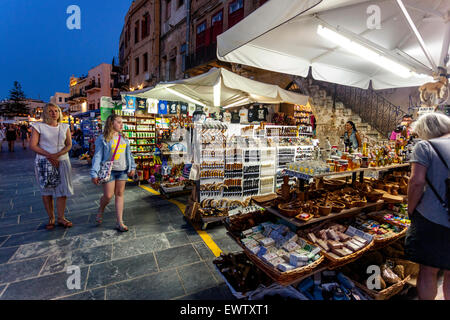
(11, 136)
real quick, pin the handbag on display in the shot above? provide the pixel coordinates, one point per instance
(104, 174)
(49, 176)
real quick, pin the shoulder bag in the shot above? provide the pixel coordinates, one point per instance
(443, 202)
(104, 174)
(49, 176)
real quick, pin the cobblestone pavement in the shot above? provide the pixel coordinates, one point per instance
(161, 257)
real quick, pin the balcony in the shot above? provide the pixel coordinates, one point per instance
(93, 87)
(201, 57)
(78, 97)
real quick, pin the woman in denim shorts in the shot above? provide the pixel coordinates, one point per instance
(123, 167)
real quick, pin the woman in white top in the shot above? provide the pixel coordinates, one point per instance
(52, 140)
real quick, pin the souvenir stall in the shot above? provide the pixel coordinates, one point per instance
(157, 144)
(319, 237)
(231, 121)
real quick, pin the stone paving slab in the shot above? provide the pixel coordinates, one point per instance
(161, 257)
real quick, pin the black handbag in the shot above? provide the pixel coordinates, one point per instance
(443, 202)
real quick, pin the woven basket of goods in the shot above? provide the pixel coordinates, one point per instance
(339, 244)
(390, 282)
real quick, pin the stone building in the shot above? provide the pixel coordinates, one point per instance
(139, 44)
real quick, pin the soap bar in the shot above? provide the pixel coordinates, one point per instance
(346, 251)
(267, 242)
(250, 243)
(323, 244)
(267, 232)
(286, 257)
(351, 246)
(334, 244)
(257, 229)
(343, 236)
(312, 237)
(357, 238)
(257, 236)
(339, 252)
(247, 232)
(295, 258)
(323, 235)
(262, 251)
(290, 246)
(301, 242)
(333, 235)
(315, 251)
(291, 237)
(285, 267)
(255, 250)
(269, 256)
(301, 264)
(275, 262)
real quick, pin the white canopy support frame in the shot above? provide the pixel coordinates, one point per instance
(281, 36)
(220, 87)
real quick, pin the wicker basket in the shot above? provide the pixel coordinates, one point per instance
(382, 242)
(386, 293)
(336, 263)
(283, 278)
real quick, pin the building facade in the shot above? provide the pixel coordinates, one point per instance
(173, 39)
(139, 44)
(182, 41)
(78, 96)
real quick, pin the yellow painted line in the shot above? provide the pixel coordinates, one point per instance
(203, 234)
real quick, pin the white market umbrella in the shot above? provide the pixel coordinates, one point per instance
(282, 36)
(219, 87)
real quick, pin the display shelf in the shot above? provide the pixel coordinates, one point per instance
(331, 216)
(143, 144)
(304, 176)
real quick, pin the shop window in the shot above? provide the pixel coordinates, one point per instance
(60, 99)
(216, 25)
(235, 12)
(201, 35)
(145, 62)
(145, 25)
(136, 63)
(136, 32)
(168, 9)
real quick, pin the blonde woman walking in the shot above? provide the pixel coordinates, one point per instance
(52, 140)
(112, 143)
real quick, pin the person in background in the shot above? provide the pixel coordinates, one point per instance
(123, 167)
(51, 139)
(2, 136)
(352, 138)
(11, 136)
(427, 240)
(24, 134)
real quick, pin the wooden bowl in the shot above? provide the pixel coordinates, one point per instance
(337, 206)
(374, 196)
(325, 210)
(285, 210)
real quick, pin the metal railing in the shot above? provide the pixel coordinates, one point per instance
(370, 106)
(201, 56)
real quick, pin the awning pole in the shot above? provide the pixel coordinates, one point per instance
(445, 46)
(413, 28)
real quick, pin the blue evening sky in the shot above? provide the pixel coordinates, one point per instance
(38, 50)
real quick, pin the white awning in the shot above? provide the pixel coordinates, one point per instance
(226, 87)
(282, 36)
